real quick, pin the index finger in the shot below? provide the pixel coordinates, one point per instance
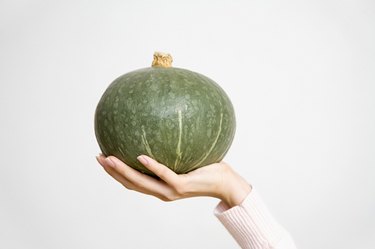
(162, 171)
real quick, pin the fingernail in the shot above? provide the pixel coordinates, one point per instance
(110, 162)
(143, 160)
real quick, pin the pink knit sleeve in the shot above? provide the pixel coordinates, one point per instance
(252, 225)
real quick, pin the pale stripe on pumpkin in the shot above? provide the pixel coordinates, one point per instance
(145, 143)
(178, 149)
(213, 144)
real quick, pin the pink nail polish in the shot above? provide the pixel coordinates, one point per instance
(143, 160)
(110, 163)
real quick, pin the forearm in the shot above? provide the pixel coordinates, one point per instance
(252, 226)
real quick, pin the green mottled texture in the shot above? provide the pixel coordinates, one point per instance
(180, 118)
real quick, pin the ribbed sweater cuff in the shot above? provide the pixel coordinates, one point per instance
(250, 223)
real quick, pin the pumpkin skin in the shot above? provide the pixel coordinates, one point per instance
(180, 118)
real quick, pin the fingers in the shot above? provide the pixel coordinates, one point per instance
(134, 180)
(109, 168)
(162, 171)
(140, 180)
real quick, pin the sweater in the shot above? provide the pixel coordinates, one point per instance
(252, 225)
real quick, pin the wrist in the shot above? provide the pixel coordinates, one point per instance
(235, 188)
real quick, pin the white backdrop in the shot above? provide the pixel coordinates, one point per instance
(301, 76)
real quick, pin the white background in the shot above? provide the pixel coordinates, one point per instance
(301, 76)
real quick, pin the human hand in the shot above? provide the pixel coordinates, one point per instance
(216, 180)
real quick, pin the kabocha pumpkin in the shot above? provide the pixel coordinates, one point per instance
(180, 118)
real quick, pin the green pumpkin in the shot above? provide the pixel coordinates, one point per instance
(180, 118)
